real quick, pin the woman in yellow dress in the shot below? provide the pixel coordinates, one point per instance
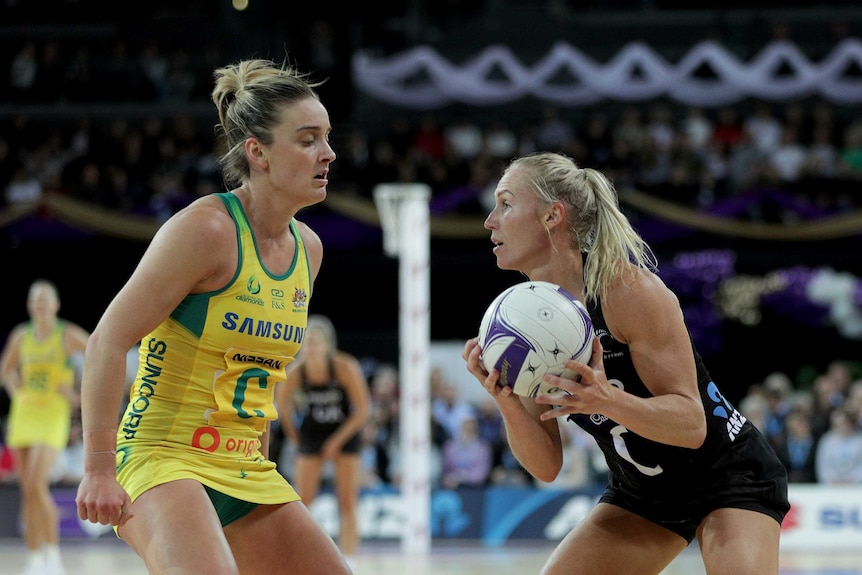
(219, 303)
(38, 372)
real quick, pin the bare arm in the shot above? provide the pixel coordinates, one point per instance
(75, 343)
(646, 316)
(193, 252)
(179, 261)
(264, 442)
(75, 339)
(349, 374)
(313, 246)
(534, 441)
(286, 403)
(9, 361)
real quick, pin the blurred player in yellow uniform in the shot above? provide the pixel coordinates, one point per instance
(38, 372)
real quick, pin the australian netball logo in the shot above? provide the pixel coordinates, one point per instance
(300, 298)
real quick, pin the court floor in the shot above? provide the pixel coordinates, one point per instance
(109, 557)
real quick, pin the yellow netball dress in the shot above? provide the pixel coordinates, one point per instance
(40, 413)
(203, 394)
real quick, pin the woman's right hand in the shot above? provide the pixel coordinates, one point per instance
(101, 499)
(471, 354)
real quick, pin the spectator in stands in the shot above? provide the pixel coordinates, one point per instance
(597, 138)
(449, 408)
(788, 158)
(755, 407)
(554, 132)
(23, 70)
(373, 458)
(660, 125)
(429, 141)
(579, 453)
(850, 155)
(797, 447)
(853, 403)
(23, 188)
(826, 397)
(500, 140)
(467, 457)
(764, 128)
(839, 451)
(727, 131)
(489, 421)
(746, 164)
(778, 391)
(840, 372)
(509, 471)
(698, 128)
(464, 138)
(821, 159)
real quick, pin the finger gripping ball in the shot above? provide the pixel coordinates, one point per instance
(531, 329)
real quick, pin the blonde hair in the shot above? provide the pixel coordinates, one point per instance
(323, 325)
(597, 226)
(249, 97)
(40, 284)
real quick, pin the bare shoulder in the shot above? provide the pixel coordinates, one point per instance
(346, 363)
(349, 374)
(74, 328)
(76, 336)
(293, 369)
(15, 334)
(635, 287)
(313, 245)
(309, 236)
(639, 298)
(206, 219)
(194, 251)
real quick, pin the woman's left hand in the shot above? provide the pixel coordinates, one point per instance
(588, 392)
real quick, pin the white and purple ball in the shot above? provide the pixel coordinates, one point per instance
(531, 329)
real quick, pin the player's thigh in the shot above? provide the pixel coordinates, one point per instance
(613, 541)
(285, 538)
(739, 542)
(36, 463)
(308, 470)
(22, 463)
(42, 458)
(175, 529)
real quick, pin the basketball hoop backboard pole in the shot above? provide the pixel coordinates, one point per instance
(404, 217)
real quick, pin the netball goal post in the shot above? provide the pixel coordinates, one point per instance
(404, 218)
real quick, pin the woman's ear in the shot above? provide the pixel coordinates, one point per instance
(555, 214)
(255, 153)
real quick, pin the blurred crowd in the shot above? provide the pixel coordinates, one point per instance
(816, 432)
(789, 162)
(797, 160)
